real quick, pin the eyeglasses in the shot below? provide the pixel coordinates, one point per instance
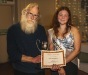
(32, 15)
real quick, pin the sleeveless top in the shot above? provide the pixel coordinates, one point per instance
(66, 44)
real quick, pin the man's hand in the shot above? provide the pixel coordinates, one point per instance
(36, 59)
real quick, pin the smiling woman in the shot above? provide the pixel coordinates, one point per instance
(67, 37)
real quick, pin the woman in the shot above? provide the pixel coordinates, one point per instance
(63, 35)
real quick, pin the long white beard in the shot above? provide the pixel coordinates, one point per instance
(29, 26)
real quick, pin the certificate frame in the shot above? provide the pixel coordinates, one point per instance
(48, 58)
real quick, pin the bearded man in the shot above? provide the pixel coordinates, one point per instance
(24, 41)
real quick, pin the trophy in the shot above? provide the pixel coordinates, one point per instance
(43, 44)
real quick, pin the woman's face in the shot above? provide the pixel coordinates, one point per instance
(63, 17)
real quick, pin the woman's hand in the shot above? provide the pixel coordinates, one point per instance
(61, 71)
(55, 67)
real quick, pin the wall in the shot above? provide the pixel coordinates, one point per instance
(47, 9)
(5, 16)
(6, 20)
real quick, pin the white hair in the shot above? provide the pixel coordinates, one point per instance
(28, 26)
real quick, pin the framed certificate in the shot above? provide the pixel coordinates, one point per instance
(48, 58)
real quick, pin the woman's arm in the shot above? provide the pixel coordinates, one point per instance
(77, 44)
